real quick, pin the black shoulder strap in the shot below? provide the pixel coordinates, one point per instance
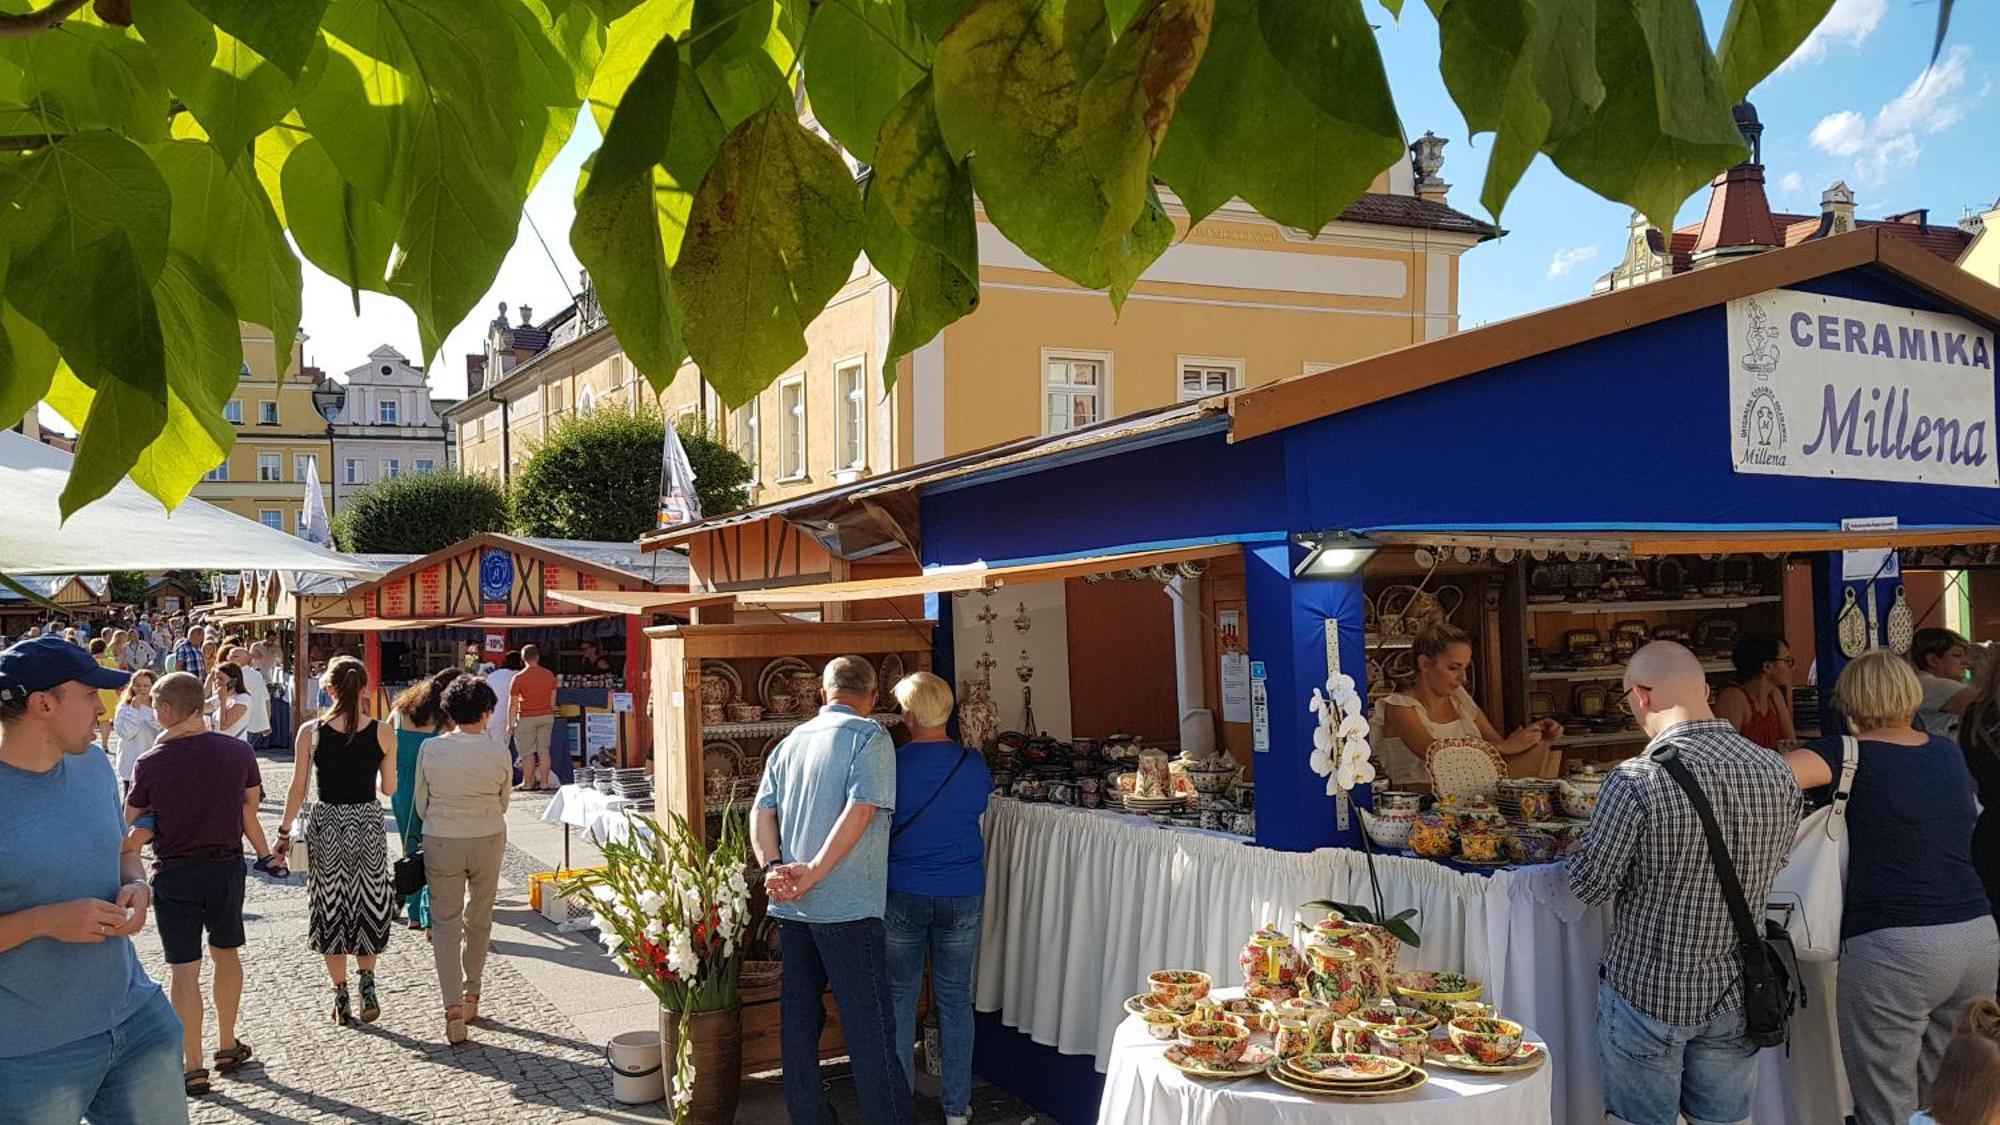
(963, 753)
(1718, 853)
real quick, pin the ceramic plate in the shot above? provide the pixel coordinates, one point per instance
(768, 685)
(1346, 1066)
(1136, 1004)
(1255, 1058)
(1530, 1056)
(887, 674)
(1413, 1080)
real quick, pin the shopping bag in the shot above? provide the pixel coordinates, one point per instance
(1811, 891)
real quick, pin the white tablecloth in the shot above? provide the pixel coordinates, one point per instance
(1140, 1088)
(1081, 905)
(599, 814)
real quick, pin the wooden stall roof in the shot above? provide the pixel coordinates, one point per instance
(546, 621)
(980, 576)
(638, 601)
(384, 624)
(1640, 544)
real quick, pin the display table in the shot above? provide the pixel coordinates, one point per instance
(1141, 1088)
(601, 815)
(1081, 905)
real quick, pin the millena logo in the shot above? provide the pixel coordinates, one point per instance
(1762, 428)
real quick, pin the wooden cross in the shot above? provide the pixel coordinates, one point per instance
(987, 617)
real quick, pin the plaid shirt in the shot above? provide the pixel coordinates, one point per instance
(187, 658)
(1673, 952)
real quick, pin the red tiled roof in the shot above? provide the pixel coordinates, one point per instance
(1411, 211)
(1738, 212)
(1947, 242)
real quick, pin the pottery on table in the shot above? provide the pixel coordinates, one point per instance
(1389, 828)
(1387, 800)
(713, 713)
(1389, 1012)
(1269, 993)
(1579, 792)
(1294, 1036)
(1342, 977)
(1269, 957)
(1215, 1042)
(1535, 847)
(1472, 1009)
(1367, 940)
(1179, 989)
(1435, 992)
(779, 703)
(1161, 1024)
(1346, 1034)
(805, 687)
(1488, 1039)
(1400, 1041)
(1212, 775)
(745, 712)
(1432, 835)
(1155, 775)
(1483, 845)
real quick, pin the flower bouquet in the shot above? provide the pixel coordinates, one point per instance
(673, 913)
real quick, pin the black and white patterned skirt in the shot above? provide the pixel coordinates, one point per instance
(347, 879)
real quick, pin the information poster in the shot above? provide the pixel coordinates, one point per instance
(600, 731)
(1260, 710)
(1235, 687)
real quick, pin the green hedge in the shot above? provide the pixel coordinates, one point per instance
(419, 513)
(598, 477)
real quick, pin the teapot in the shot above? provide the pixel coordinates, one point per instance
(1579, 791)
(1270, 958)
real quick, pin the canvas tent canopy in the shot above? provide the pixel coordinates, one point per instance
(129, 530)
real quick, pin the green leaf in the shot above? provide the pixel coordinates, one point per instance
(562, 48)
(608, 10)
(280, 30)
(936, 294)
(84, 75)
(617, 231)
(628, 43)
(115, 422)
(29, 360)
(204, 354)
(1760, 34)
(740, 54)
(774, 233)
(230, 89)
(935, 17)
(1665, 126)
(1250, 125)
(347, 235)
(889, 247)
(1394, 8)
(922, 188)
(224, 224)
(861, 52)
(1943, 25)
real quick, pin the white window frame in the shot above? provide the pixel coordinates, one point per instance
(391, 468)
(270, 467)
(299, 463)
(1043, 387)
(386, 412)
(750, 437)
(786, 418)
(232, 412)
(1207, 364)
(850, 413)
(267, 411)
(424, 465)
(218, 474)
(266, 515)
(352, 472)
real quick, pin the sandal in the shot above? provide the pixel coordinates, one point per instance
(273, 865)
(343, 1007)
(454, 1026)
(233, 1058)
(371, 1008)
(472, 1007)
(195, 1082)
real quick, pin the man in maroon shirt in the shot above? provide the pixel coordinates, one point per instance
(203, 789)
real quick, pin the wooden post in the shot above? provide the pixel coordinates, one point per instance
(301, 658)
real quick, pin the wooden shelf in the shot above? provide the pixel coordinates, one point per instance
(1642, 605)
(1578, 741)
(771, 728)
(1377, 640)
(1616, 671)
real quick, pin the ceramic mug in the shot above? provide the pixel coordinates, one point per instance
(1401, 1042)
(1295, 1036)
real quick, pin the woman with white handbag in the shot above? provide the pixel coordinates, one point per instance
(1917, 938)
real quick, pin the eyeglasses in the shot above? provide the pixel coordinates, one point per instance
(1625, 697)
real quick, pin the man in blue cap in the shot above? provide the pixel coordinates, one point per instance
(84, 1032)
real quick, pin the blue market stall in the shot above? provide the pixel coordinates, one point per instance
(1737, 435)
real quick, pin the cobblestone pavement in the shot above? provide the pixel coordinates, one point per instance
(525, 1062)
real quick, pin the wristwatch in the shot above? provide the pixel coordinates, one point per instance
(769, 864)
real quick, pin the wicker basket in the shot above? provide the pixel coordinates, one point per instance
(759, 974)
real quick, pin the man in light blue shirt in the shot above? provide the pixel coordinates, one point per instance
(821, 831)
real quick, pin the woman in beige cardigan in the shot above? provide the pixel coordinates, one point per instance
(463, 778)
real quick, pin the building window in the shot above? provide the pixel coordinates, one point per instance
(586, 404)
(232, 412)
(792, 428)
(1074, 391)
(271, 518)
(554, 394)
(385, 411)
(851, 384)
(267, 412)
(1202, 377)
(219, 473)
(391, 468)
(300, 464)
(425, 465)
(270, 466)
(353, 471)
(748, 440)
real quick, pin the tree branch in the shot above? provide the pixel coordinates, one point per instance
(26, 141)
(30, 23)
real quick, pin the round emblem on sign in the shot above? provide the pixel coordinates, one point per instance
(496, 576)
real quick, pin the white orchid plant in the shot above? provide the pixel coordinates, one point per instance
(673, 913)
(1340, 740)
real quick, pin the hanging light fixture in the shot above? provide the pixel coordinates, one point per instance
(1333, 554)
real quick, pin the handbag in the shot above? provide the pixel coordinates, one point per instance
(963, 753)
(1811, 891)
(1770, 987)
(408, 872)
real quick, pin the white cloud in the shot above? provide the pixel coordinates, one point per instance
(1888, 143)
(1567, 258)
(1791, 183)
(1850, 22)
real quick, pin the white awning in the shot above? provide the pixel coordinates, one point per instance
(129, 530)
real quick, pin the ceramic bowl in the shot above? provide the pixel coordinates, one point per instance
(1269, 993)
(745, 713)
(1179, 989)
(1483, 847)
(778, 703)
(1221, 1042)
(1401, 1041)
(1389, 829)
(1489, 1039)
(1435, 992)
(1388, 1014)
(1161, 1024)
(1536, 847)
(712, 713)
(1390, 800)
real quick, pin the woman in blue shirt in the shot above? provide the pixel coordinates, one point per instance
(937, 882)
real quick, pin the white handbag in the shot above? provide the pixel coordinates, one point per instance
(1810, 893)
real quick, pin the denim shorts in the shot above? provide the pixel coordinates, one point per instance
(202, 897)
(1656, 1072)
(130, 1075)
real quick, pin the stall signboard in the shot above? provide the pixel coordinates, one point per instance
(1825, 386)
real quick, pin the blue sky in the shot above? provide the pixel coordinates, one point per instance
(1853, 105)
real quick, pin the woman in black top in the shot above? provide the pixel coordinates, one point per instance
(1979, 738)
(351, 757)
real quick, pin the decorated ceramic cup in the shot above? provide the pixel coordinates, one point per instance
(1471, 1008)
(1179, 989)
(1489, 1039)
(1161, 1023)
(1216, 1042)
(1295, 1036)
(1401, 1041)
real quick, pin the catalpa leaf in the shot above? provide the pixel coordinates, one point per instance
(29, 359)
(280, 30)
(774, 234)
(231, 90)
(920, 227)
(204, 354)
(224, 224)
(862, 52)
(1759, 35)
(115, 422)
(346, 234)
(628, 43)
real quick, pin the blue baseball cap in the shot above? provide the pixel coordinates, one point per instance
(46, 663)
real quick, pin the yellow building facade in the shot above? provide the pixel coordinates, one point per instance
(1237, 301)
(278, 431)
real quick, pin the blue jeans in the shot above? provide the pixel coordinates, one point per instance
(1654, 1071)
(130, 1075)
(850, 957)
(948, 927)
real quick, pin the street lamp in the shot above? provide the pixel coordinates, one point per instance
(329, 398)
